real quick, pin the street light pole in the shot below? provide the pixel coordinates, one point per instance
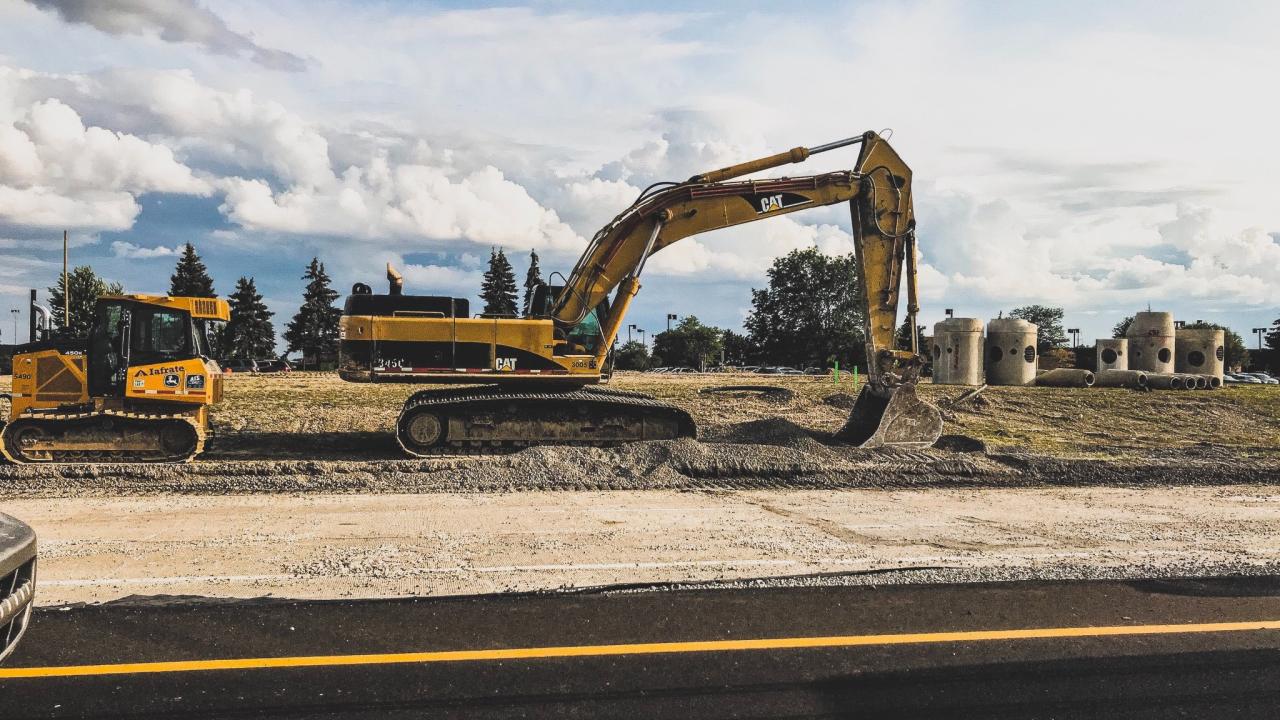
(670, 317)
(1075, 337)
(15, 312)
(629, 329)
(1259, 332)
(643, 341)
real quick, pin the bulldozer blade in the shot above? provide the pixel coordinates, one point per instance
(900, 420)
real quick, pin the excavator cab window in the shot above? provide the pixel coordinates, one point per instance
(587, 333)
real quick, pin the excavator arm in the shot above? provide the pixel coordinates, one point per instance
(878, 190)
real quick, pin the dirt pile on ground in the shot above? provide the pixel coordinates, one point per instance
(318, 434)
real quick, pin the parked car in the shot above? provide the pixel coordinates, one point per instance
(17, 580)
(816, 371)
(272, 366)
(238, 365)
(1263, 378)
(1240, 379)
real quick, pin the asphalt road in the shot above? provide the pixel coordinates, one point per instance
(1192, 648)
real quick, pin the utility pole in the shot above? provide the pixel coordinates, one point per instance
(15, 312)
(1259, 332)
(66, 286)
(670, 317)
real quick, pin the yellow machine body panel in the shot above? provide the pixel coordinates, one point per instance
(184, 381)
(442, 349)
(48, 379)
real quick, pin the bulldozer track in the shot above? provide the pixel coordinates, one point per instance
(659, 420)
(60, 419)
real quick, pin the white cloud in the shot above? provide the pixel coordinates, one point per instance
(407, 201)
(55, 172)
(123, 249)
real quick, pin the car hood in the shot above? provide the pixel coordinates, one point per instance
(17, 544)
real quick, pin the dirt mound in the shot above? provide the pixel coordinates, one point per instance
(844, 401)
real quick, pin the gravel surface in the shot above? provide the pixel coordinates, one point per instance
(760, 454)
(337, 546)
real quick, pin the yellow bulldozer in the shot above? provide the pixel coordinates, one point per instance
(137, 390)
(538, 374)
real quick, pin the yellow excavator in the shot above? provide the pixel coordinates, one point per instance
(138, 390)
(538, 373)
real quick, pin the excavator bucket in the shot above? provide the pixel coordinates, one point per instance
(896, 418)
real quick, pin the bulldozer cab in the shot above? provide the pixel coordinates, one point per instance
(130, 333)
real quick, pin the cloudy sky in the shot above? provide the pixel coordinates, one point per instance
(1099, 156)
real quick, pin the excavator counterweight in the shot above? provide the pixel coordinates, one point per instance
(537, 366)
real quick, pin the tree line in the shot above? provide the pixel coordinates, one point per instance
(809, 314)
(249, 334)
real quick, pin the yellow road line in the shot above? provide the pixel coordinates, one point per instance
(701, 646)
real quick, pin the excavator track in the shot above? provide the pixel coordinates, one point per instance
(84, 434)
(492, 419)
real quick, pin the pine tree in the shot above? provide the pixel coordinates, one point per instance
(314, 330)
(250, 333)
(499, 290)
(532, 280)
(190, 278)
(86, 288)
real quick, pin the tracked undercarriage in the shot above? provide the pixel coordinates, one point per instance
(501, 419)
(86, 434)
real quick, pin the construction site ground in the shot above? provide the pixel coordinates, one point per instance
(304, 493)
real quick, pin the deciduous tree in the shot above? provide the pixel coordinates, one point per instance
(1048, 320)
(810, 314)
(86, 288)
(689, 344)
(738, 348)
(633, 355)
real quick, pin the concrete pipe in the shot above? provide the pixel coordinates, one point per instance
(1113, 353)
(1151, 340)
(1166, 381)
(1066, 377)
(1010, 354)
(1133, 379)
(1200, 351)
(957, 352)
(1214, 381)
(1201, 381)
